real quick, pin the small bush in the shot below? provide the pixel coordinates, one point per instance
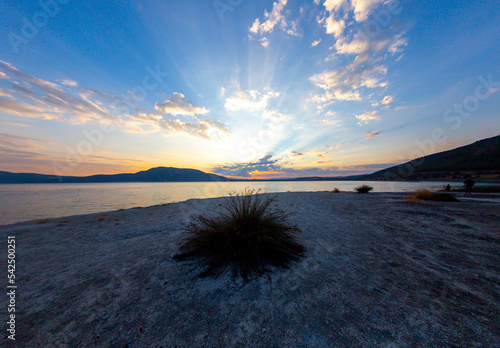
(249, 237)
(363, 189)
(427, 195)
(335, 190)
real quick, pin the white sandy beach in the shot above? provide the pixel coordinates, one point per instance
(378, 271)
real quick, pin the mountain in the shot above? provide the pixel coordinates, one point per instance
(480, 160)
(159, 174)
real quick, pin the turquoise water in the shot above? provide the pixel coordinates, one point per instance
(37, 201)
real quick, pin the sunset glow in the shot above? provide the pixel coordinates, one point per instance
(244, 89)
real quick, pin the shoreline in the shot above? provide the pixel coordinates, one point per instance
(478, 197)
(378, 271)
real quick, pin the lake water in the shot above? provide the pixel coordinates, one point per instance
(21, 202)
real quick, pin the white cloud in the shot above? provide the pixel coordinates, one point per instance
(179, 105)
(387, 100)
(335, 27)
(33, 97)
(356, 46)
(70, 83)
(367, 117)
(273, 19)
(345, 82)
(315, 43)
(203, 128)
(397, 45)
(249, 100)
(362, 8)
(264, 42)
(334, 5)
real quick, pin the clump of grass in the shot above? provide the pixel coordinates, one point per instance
(101, 217)
(363, 189)
(335, 190)
(426, 195)
(249, 237)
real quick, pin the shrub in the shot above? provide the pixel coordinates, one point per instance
(427, 195)
(335, 190)
(363, 189)
(249, 237)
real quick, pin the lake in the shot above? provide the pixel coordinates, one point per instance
(22, 202)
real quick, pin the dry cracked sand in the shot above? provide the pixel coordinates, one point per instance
(378, 271)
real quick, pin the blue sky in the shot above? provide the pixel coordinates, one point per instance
(258, 89)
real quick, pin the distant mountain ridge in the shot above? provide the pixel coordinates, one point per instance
(479, 158)
(159, 174)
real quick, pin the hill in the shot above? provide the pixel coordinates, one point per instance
(159, 174)
(480, 160)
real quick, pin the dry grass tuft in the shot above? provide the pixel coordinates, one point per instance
(335, 190)
(363, 189)
(101, 217)
(249, 237)
(426, 195)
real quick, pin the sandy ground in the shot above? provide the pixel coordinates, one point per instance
(378, 271)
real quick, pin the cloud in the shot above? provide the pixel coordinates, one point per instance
(70, 83)
(249, 100)
(264, 42)
(28, 96)
(273, 19)
(345, 82)
(315, 43)
(179, 105)
(337, 146)
(330, 120)
(334, 5)
(24, 154)
(362, 8)
(248, 169)
(47, 98)
(364, 51)
(372, 135)
(367, 117)
(387, 100)
(203, 128)
(335, 27)
(15, 107)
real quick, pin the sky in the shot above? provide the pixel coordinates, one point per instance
(244, 89)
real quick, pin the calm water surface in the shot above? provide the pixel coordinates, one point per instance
(37, 201)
